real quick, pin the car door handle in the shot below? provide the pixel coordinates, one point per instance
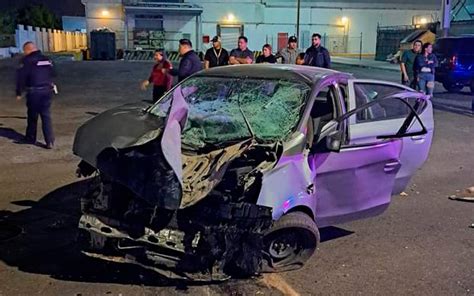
(392, 166)
(418, 138)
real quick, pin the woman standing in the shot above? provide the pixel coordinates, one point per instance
(159, 75)
(425, 64)
(267, 56)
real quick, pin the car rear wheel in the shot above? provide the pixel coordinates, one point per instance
(290, 242)
(451, 87)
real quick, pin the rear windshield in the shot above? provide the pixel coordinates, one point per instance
(454, 46)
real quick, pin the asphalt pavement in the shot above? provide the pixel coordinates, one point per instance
(422, 245)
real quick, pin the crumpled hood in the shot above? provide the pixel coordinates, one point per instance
(142, 151)
(118, 128)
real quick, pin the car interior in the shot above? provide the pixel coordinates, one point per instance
(323, 111)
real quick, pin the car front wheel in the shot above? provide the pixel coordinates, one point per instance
(290, 242)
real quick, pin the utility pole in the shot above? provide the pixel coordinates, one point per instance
(298, 8)
(446, 13)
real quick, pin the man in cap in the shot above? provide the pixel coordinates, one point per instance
(216, 55)
(190, 62)
(289, 54)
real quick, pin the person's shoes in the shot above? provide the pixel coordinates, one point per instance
(26, 140)
(49, 146)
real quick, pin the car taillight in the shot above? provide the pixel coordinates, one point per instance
(453, 62)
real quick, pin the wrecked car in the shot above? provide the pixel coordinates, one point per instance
(232, 172)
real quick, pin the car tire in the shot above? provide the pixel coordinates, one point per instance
(452, 88)
(290, 242)
(471, 86)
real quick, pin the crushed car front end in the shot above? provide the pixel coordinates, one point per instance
(176, 185)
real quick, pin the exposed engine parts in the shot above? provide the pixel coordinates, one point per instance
(212, 239)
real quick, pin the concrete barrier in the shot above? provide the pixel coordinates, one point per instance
(173, 56)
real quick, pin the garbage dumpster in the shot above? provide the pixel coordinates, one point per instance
(102, 45)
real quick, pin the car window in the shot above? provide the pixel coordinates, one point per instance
(454, 46)
(324, 104)
(384, 110)
(367, 92)
(223, 109)
(390, 116)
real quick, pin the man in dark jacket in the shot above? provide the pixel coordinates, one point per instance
(35, 77)
(316, 55)
(190, 62)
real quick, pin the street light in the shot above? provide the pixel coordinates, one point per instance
(105, 13)
(230, 17)
(345, 23)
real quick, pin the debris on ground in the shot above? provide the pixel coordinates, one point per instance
(276, 281)
(404, 194)
(462, 198)
(470, 190)
(466, 195)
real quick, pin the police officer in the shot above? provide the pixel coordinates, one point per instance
(35, 77)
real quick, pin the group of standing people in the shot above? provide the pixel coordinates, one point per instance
(162, 72)
(316, 55)
(418, 67)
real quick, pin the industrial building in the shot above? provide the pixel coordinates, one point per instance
(348, 26)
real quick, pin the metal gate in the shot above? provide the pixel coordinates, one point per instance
(389, 38)
(229, 35)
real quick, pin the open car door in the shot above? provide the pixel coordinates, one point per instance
(415, 149)
(358, 181)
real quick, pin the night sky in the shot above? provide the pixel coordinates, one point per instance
(60, 7)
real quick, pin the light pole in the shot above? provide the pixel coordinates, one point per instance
(446, 20)
(298, 7)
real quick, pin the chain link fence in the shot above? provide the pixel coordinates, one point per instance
(343, 44)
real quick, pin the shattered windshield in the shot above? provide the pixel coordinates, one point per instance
(228, 109)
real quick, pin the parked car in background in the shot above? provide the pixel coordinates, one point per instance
(233, 171)
(456, 62)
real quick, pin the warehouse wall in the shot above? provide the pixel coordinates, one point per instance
(262, 23)
(114, 20)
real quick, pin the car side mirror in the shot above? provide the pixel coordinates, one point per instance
(334, 141)
(332, 135)
(372, 95)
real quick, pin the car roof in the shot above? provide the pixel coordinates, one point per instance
(271, 71)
